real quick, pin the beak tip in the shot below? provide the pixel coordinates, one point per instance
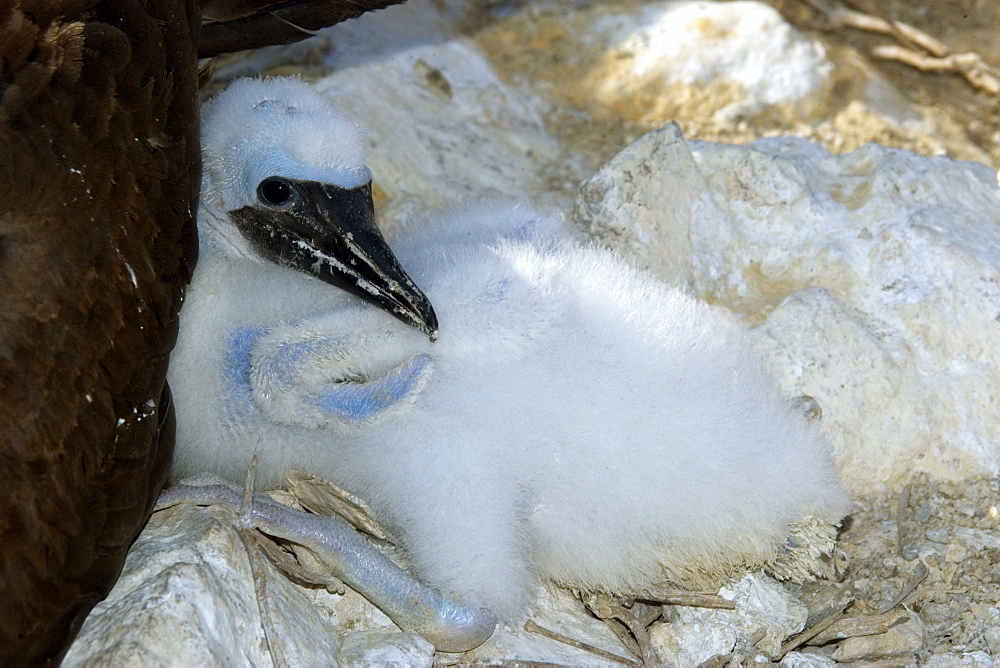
(433, 336)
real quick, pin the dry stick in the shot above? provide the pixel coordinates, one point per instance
(294, 570)
(697, 601)
(651, 616)
(275, 644)
(901, 508)
(322, 497)
(970, 65)
(622, 631)
(810, 633)
(623, 624)
(848, 18)
(757, 636)
(902, 32)
(864, 625)
(917, 578)
(532, 627)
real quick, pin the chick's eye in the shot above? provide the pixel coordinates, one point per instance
(274, 191)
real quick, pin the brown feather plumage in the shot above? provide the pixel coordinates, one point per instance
(99, 173)
(98, 184)
(234, 25)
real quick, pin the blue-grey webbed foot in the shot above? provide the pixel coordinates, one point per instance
(294, 375)
(448, 625)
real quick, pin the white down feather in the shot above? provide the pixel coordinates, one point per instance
(576, 421)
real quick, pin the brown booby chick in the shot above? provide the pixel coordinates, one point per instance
(98, 188)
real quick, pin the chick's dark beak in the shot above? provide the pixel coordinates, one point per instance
(329, 232)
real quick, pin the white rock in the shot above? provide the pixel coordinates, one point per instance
(744, 45)
(485, 136)
(385, 648)
(978, 659)
(762, 606)
(645, 201)
(876, 275)
(820, 346)
(186, 597)
(908, 249)
(805, 660)
(693, 643)
(901, 641)
(992, 633)
(719, 63)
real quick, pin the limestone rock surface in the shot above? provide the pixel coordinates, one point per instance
(873, 280)
(186, 597)
(764, 610)
(903, 640)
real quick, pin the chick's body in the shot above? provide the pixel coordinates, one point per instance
(576, 421)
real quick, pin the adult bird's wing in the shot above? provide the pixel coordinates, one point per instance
(99, 169)
(99, 172)
(234, 25)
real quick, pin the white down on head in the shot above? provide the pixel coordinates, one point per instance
(281, 128)
(576, 421)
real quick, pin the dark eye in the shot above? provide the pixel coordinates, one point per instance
(274, 191)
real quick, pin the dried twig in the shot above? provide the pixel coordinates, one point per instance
(757, 636)
(917, 578)
(969, 65)
(902, 507)
(811, 633)
(322, 497)
(862, 625)
(696, 600)
(624, 624)
(532, 627)
(838, 17)
(868, 19)
(918, 49)
(275, 643)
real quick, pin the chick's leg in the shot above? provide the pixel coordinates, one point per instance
(449, 626)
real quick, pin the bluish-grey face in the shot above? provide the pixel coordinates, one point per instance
(329, 232)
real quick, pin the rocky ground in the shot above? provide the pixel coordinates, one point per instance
(864, 99)
(935, 545)
(533, 98)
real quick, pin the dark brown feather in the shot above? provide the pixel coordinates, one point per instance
(98, 184)
(234, 25)
(99, 172)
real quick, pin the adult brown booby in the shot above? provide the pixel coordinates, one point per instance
(99, 176)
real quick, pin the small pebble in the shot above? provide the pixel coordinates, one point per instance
(911, 551)
(938, 536)
(950, 489)
(924, 512)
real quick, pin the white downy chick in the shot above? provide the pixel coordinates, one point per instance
(576, 421)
